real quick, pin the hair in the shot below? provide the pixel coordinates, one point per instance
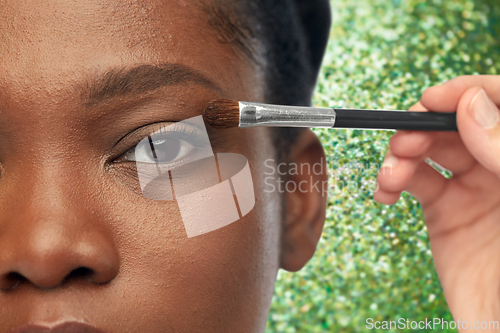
(287, 39)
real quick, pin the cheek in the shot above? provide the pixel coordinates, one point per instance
(223, 278)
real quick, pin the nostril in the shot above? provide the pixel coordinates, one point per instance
(79, 273)
(11, 281)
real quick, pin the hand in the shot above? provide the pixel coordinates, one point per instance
(462, 214)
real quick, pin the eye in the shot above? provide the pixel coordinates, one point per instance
(162, 150)
(174, 144)
(167, 144)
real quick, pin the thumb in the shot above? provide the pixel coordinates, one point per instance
(478, 120)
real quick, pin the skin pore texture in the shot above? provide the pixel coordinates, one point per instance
(78, 241)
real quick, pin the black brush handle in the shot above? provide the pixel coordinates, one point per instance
(396, 120)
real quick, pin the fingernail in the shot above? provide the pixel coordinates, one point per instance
(485, 113)
(390, 161)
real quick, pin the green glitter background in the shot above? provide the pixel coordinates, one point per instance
(373, 261)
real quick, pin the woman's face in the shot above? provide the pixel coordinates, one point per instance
(78, 241)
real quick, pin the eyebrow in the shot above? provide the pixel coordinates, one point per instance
(120, 82)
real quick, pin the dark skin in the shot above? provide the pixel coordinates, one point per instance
(78, 241)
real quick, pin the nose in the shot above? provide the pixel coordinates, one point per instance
(48, 256)
(51, 240)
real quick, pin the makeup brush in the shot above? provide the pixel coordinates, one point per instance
(226, 113)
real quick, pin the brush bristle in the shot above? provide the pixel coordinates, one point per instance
(222, 113)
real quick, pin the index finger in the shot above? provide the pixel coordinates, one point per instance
(445, 98)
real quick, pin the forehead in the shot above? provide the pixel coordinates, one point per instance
(49, 45)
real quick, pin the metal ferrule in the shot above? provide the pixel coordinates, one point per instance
(258, 114)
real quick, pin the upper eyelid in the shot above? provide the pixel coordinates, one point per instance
(177, 128)
(180, 131)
